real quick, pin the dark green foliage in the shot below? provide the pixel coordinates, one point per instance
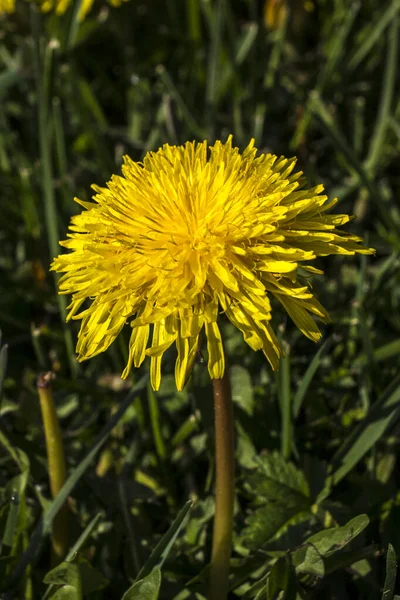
(317, 505)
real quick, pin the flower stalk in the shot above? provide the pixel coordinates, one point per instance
(56, 463)
(224, 489)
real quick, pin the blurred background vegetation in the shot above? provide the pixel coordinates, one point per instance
(317, 443)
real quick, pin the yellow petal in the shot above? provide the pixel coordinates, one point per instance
(216, 357)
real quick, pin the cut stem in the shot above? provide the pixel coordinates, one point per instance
(224, 490)
(56, 463)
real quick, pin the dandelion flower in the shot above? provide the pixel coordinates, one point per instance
(7, 6)
(57, 6)
(191, 232)
(60, 7)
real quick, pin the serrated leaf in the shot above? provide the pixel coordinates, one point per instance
(242, 388)
(145, 589)
(282, 491)
(331, 540)
(391, 571)
(276, 477)
(270, 522)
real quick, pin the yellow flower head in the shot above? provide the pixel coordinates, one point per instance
(57, 6)
(191, 232)
(60, 7)
(7, 6)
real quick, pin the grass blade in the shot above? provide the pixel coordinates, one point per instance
(213, 64)
(43, 83)
(155, 425)
(245, 45)
(308, 376)
(194, 20)
(285, 401)
(391, 572)
(3, 366)
(161, 551)
(76, 547)
(193, 126)
(335, 52)
(387, 351)
(125, 505)
(74, 25)
(44, 525)
(383, 414)
(331, 128)
(43, 86)
(376, 30)
(389, 80)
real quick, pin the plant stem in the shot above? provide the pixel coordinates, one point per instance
(286, 406)
(225, 490)
(56, 463)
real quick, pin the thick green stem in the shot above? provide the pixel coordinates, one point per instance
(56, 463)
(225, 490)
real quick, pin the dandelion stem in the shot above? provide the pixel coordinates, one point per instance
(225, 490)
(56, 463)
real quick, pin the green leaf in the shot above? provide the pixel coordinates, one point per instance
(245, 449)
(379, 136)
(285, 403)
(386, 351)
(67, 592)
(391, 571)
(202, 513)
(145, 589)
(281, 581)
(3, 366)
(373, 35)
(383, 414)
(277, 476)
(308, 376)
(76, 547)
(282, 491)
(359, 560)
(10, 536)
(331, 540)
(44, 526)
(242, 388)
(5, 562)
(307, 559)
(331, 127)
(163, 548)
(15, 492)
(64, 574)
(79, 575)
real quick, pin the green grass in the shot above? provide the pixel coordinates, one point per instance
(317, 445)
